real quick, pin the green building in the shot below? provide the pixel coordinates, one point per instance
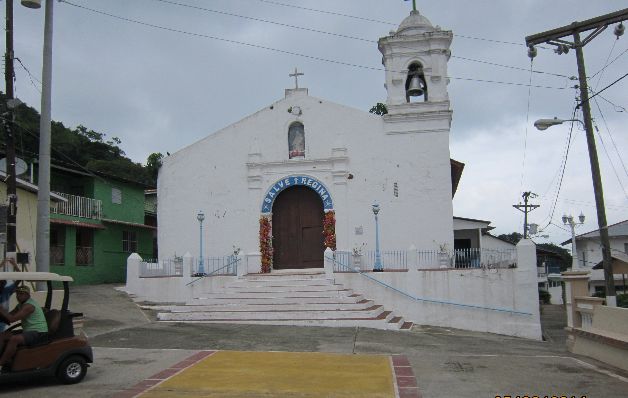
(104, 220)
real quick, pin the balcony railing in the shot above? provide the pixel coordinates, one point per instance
(78, 206)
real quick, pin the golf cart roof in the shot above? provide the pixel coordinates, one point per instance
(35, 276)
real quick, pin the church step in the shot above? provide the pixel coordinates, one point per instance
(373, 323)
(288, 288)
(242, 284)
(287, 275)
(252, 307)
(274, 300)
(278, 294)
(375, 311)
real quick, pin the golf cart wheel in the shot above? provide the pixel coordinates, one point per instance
(72, 370)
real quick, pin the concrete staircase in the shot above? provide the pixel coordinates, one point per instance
(297, 297)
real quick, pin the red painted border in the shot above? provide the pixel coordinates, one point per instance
(164, 375)
(404, 375)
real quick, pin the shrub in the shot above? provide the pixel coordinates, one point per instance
(544, 296)
(622, 300)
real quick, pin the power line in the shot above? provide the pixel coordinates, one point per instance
(388, 23)
(30, 76)
(602, 90)
(525, 136)
(312, 57)
(175, 3)
(612, 139)
(563, 166)
(328, 12)
(610, 63)
(611, 161)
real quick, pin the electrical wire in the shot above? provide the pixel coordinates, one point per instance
(611, 162)
(609, 86)
(30, 76)
(339, 35)
(525, 135)
(610, 63)
(390, 23)
(287, 52)
(608, 130)
(563, 167)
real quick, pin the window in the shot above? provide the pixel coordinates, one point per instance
(583, 259)
(129, 241)
(296, 141)
(116, 196)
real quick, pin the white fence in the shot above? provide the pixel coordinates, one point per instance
(78, 206)
(401, 260)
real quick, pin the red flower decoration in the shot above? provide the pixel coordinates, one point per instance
(266, 243)
(329, 229)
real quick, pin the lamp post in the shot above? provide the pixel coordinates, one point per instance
(43, 193)
(201, 266)
(378, 267)
(568, 220)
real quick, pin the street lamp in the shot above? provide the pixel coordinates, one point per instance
(43, 193)
(544, 124)
(568, 220)
(201, 266)
(378, 267)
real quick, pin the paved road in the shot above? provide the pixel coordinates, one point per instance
(130, 346)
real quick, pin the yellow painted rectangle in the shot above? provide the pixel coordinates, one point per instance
(281, 374)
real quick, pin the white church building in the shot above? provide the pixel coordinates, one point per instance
(291, 191)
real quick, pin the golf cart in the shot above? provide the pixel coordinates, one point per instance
(65, 355)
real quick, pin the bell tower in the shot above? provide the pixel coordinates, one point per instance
(415, 57)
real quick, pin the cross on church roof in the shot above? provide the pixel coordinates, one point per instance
(296, 75)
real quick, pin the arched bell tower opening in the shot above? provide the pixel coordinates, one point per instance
(416, 87)
(297, 226)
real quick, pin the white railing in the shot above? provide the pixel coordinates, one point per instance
(78, 206)
(467, 258)
(224, 265)
(159, 269)
(401, 260)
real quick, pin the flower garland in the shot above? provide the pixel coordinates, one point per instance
(266, 243)
(329, 229)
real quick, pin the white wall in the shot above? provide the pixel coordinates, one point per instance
(503, 301)
(212, 175)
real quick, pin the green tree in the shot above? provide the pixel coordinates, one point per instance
(80, 147)
(153, 164)
(379, 109)
(513, 237)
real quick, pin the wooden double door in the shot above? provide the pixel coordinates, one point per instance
(298, 240)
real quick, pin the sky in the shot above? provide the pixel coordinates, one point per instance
(160, 75)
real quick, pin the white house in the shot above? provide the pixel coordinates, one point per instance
(304, 174)
(588, 248)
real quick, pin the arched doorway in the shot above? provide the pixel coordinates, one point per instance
(298, 240)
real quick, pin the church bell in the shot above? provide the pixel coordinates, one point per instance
(415, 88)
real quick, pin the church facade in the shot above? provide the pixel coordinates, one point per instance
(304, 162)
(305, 185)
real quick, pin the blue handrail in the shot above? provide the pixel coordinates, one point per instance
(424, 299)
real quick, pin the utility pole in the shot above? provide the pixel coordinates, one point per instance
(8, 119)
(526, 208)
(557, 37)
